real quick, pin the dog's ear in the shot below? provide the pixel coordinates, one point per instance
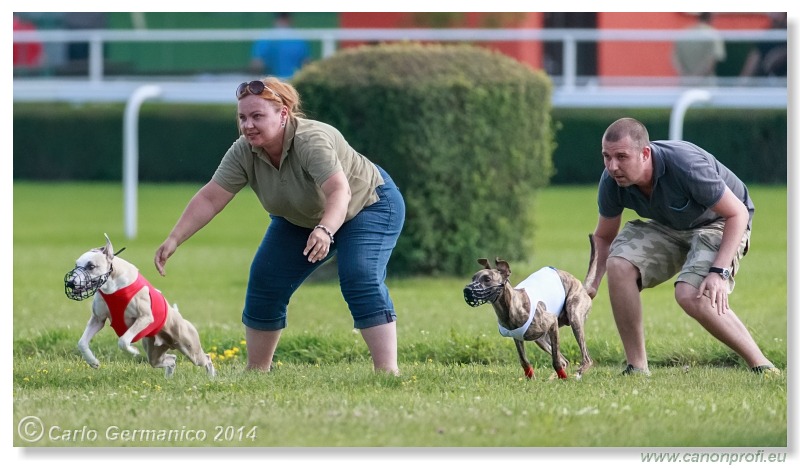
(503, 267)
(484, 263)
(108, 250)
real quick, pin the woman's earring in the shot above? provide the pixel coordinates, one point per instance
(283, 124)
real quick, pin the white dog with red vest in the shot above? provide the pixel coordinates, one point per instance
(136, 310)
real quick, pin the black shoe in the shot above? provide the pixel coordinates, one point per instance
(766, 370)
(632, 370)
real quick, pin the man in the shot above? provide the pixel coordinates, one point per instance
(699, 228)
(27, 55)
(279, 58)
(696, 58)
(768, 59)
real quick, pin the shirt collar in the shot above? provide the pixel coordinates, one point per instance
(658, 162)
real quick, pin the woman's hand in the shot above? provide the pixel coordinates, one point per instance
(337, 196)
(318, 245)
(205, 205)
(163, 253)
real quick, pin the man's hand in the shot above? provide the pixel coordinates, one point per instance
(716, 288)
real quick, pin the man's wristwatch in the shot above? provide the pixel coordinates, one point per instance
(724, 273)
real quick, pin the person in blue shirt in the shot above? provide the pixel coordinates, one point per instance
(279, 58)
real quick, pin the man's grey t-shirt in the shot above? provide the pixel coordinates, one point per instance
(687, 181)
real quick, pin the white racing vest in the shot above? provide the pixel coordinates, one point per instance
(543, 285)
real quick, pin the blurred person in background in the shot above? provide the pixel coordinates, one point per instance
(315, 187)
(768, 59)
(696, 59)
(26, 54)
(280, 58)
(79, 51)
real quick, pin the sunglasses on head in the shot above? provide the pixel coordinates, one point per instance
(255, 87)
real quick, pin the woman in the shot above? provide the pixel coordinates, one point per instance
(323, 197)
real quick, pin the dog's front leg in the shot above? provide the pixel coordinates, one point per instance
(139, 308)
(125, 344)
(92, 327)
(138, 326)
(523, 359)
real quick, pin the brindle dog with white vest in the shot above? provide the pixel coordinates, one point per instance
(534, 311)
(136, 310)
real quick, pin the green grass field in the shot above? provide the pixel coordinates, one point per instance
(461, 385)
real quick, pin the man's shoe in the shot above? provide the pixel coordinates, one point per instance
(767, 370)
(632, 370)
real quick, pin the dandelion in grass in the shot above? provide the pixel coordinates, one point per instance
(222, 354)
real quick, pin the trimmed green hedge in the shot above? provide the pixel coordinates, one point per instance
(752, 143)
(65, 142)
(465, 133)
(186, 142)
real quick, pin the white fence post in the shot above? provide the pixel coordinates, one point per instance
(569, 63)
(130, 154)
(685, 100)
(96, 58)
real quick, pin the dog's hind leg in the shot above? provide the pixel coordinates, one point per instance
(555, 353)
(577, 309)
(196, 355)
(187, 342)
(544, 343)
(158, 357)
(586, 360)
(169, 362)
(523, 359)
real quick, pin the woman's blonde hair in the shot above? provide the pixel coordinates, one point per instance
(282, 94)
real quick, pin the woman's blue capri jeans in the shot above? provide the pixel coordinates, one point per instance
(363, 246)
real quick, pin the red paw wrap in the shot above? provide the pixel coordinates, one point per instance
(561, 373)
(529, 372)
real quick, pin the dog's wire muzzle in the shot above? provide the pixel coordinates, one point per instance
(476, 294)
(79, 283)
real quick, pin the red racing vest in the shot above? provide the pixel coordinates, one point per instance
(118, 301)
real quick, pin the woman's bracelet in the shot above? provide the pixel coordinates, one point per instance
(326, 230)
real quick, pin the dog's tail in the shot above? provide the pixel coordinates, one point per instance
(591, 274)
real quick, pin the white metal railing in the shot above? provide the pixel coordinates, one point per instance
(330, 38)
(569, 90)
